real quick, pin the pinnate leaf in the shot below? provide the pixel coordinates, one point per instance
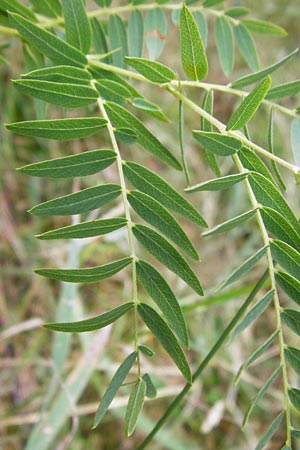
(249, 105)
(152, 70)
(163, 296)
(95, 323)
(263, 27)
(218, 143)
(193, 57)
(225, 44)
(120, 117)
(60, 94)
(60, 129)
(257, 76)
(167, 255)
(135, 404)
(78, 202)
(165, 336)
(77, 25)
(158, 216)
(81, 164)
(152, 184)
(85, 229)
(59, 51)
(88, 275)
(115, 384)
(218, 184)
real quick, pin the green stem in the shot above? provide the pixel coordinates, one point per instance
(101, 104)
(181, 142)
(277, 307)
(205, 361)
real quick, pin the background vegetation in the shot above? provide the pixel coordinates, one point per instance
(210, 416)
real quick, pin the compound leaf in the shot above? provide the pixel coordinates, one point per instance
(165, 336)
(163, 296)
(167, 255)
(115, 384)
(88, 275)
(95, 323)
(78, 202)
(152, 184)
(193, 57)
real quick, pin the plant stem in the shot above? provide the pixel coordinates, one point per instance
(101, 104)
(277, 307)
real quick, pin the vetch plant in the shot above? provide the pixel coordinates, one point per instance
(99, 60)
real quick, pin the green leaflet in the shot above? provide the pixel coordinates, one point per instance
(116, 382)
(218, 184)
(85, 229)
(262, 27)
(158, 216)
(149, 108)
(99, 39)
(77, 25)
(270, 431)
(293, 356)
(59, 51)
(209, 3)
(152, 70)
(146, 351)
(50, 8)
(60, 94)
(277, 224)
(193, 57)
(246, 46)
(60, 74)
(254, 163)
(155, 32)
(134, 407)
(201, 24)
(15, 7)
(150, 388)
(231, 223)
(284, 90)
(237, 11)
(244, 268)
(208, 106)
(225, 44)
(165, 336)
(152, 184)
(103, 3)
(167, 255)
(135, 33)
(163, 296)
(257, 76)
(61, 129)
(95, 323)
(289, 284)
(292, 319)
(294, 396)
(78, 202)
(100, 74)
(125, 135)
(118, 40)
(81, 164)
(89, 275)
(261, 393)
(253, 314)
(249, 105)
(267, 194)
(271, 149)
(113, 91)
(295, 139)
(218, 143)
(120, 117)
(286, 256)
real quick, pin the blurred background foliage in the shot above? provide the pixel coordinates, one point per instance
(35, 376)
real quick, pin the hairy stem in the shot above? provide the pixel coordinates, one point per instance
(101, 104)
